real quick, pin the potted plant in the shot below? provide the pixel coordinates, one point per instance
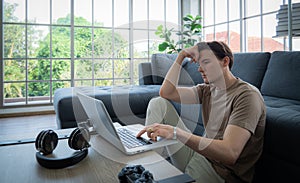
(190, 35)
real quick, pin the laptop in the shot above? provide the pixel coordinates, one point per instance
(122, 137)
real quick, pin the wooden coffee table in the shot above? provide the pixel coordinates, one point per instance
(18, 163)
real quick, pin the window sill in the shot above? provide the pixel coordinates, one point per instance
(26, 111)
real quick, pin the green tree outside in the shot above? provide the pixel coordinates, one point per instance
(40, 71)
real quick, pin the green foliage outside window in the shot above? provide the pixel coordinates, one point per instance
(40, 71)
(188, 36)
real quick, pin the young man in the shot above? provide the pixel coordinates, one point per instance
(233, 113)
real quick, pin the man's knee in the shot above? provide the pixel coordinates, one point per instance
(159, 102)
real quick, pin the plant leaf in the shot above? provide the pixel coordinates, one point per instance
(188, 18)
(163, 46)
(198, 17)
(198, 26)
(178, 33)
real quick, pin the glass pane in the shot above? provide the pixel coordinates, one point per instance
(172, 12)
(156, 13)
(121, 44)
(141, 49)
(254, 34)
(103, 43)
(38, 70)
(208, 18)
(60, 84)
(61, 12)
(83, 12)
(103, 69)
(296, 44)
(61, 69)
(287, 43)
(234, 36)
(209, 34)
(252, 7)
(140, 11)
(83, 42)
(269, 28)
(83, 83)
(14, 41)
(122, 82)
(83, 69)
(271, 5)
(103, 83)
(14, 11)
(38, 89)
(14, 93)
(221, 11)
(154, 41)
(222, 33)
(39, 11)
(61, 42)
(38, 41)
(234, 9)
(171, 25)
(121, 68)
(103, 13)
(140, 44)
(14, 70)
(121, 13)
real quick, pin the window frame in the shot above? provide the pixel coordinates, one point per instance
(242, 19)
(132, 79)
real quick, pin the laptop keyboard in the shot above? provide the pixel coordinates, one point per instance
(129, 139)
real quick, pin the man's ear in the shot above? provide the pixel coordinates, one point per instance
(226, 61)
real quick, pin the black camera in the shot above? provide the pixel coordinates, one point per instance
(135, 174)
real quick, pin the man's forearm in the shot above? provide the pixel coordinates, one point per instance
(224, 151)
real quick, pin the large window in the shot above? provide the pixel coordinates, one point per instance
(50, 44)
(246, 25)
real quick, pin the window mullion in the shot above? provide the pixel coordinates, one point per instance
(113, 42)
(50, 51)
(261, 26)
(93, 45)
(26, 52)
(1, 56)
(131, 75)
(72, 45)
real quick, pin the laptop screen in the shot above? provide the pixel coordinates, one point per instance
(98, 116)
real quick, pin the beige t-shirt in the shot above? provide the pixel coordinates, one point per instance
(242, 105)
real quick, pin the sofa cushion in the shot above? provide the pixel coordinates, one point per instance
(282, 76)
(251, 67)
(145, 74)
(191, 115)
(282, 128)
(121, 103)
(161, 63)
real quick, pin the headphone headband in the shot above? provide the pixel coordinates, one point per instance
(56, 163)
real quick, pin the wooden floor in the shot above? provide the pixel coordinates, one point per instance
(33, 124)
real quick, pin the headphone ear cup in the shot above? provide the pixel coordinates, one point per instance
(46, 141)
(79, 139)
(38, 140)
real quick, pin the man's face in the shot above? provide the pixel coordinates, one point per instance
(209, 67)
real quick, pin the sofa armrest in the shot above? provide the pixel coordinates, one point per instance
(145, 73)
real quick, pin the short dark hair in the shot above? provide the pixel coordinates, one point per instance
(219, 48)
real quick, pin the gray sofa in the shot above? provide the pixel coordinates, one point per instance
(276, 75)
